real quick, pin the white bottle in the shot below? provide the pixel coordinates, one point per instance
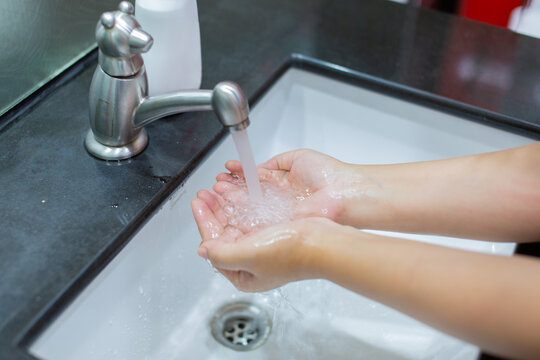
(174, 62)
(526, 20)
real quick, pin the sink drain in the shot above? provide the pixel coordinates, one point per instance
(241, 326)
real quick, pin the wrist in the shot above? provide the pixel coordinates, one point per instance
(364, 197)
(321, 241)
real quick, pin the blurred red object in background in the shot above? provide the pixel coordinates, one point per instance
(495, 12)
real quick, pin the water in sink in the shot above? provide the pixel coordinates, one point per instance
(156, 299)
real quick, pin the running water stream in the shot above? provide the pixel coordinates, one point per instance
(241, 140)
(251, 205)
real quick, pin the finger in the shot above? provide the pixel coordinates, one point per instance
(235, 167)
(202, 252)
(228, 255)
(222, 187)
(211, 199)
(228, 235)
(261, 172)
(209, 226)
(225, 177)
(215, 203)
(282, 161)
(242, 280)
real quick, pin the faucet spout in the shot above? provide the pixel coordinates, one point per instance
(156, 107)
(227, 100)
(230, 105)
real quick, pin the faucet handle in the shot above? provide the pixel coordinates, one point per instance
(121, 40)
(126, 7)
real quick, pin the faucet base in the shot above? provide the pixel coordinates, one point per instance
(106, 152)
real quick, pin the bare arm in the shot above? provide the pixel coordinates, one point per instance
(493, 196)
(491, 301)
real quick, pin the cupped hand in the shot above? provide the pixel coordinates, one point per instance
(255, 260)
(319, 182)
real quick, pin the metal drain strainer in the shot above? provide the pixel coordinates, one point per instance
(241, 326)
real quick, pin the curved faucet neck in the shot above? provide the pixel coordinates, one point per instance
(227, 100)
(155, 107)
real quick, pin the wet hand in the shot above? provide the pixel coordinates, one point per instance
(258, 260)
(318, 182)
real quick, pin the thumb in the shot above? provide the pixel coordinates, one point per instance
(282, 161)
(228, 256)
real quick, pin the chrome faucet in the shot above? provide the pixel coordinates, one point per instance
(119, 103)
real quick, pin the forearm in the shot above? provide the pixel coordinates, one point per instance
(487, 300)
(494, 196)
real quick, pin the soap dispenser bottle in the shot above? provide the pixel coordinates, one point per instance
(174, 63)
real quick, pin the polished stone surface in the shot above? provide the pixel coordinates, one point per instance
(65, 213)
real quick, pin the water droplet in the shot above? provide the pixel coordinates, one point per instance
(164, 179)
(330, 315)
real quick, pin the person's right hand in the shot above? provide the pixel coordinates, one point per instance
(324, 184)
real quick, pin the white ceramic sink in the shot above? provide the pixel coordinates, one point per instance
(156, 298)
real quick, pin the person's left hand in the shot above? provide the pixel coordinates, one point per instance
(256, 260)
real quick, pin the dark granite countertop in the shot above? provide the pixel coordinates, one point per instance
(62, 209)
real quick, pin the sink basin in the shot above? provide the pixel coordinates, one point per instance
(156, 298)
